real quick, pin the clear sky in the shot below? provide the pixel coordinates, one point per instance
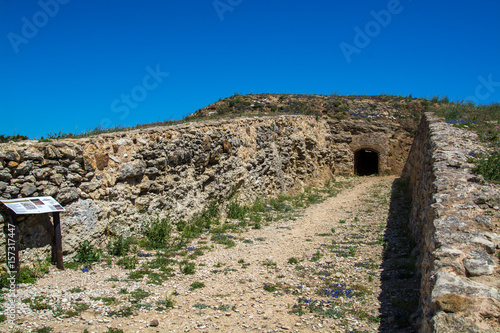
(70, 65)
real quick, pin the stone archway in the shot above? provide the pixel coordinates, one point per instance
(366, 162)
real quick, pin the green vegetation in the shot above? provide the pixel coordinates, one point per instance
(482, 119)
(122, 313)
(105, 300)
(139, 294)
(488, 165)
(114, 330)
(76, 290)
(14, 138)
(293, 261)
(270, 288)
(27, 274)
(127, 262)
(156, 234)
(86, 254)
(187, 267)
(197, 285)
(120, 246)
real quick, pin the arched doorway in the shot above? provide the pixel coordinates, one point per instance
(365, 162)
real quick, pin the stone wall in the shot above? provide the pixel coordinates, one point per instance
(455, 224)
(112, 183)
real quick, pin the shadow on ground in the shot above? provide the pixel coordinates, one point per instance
(400, 282)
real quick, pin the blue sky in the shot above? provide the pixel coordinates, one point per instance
(70, 65)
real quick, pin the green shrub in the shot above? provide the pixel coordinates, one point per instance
(223, 239)
(258, 206)
(139, 294)
(197, 285)
(120, 247)
(236, 211)
(15, 138)
(270, 288)
(156, 233)
(293, 261)
(127, 262)
(181, 225)
(187, 267)
(86, 254)
(317, 256)
(488, 165)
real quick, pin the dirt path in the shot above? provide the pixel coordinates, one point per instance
(320, 271)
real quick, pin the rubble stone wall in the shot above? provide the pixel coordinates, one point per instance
(455, 225)
(112, 183)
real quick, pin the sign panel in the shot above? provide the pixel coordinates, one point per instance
(34, 205)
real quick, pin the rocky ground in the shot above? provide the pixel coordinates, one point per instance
(341, 265)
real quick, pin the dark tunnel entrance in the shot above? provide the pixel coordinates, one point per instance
(365, 162)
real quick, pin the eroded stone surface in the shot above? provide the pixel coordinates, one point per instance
(455, 224)
(177, 170)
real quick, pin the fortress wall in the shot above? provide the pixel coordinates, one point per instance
(112, 183)
(455, 224)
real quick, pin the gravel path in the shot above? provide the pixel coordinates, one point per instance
(324, 270)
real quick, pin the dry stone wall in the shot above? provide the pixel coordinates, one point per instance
(455, 224)
(112, 183)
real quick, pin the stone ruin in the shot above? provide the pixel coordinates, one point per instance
(111, 184)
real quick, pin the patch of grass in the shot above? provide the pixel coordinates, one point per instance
(156, 233)
(168, 303)
(488, 165)
(120, 246)
(139, 294)
(76, 309)
(350, 252)
(270, 288)
(44, 329)
(187, 267)
(37, 303)
(197, 285)
(226, 240)
(114, 330)
(316, 256)
(235, 210)
(128, 262)
(124, 312)
(74, 265)
(269, 263)
(201, 306)
(105, 300)
(293, 261)
(76, 290)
